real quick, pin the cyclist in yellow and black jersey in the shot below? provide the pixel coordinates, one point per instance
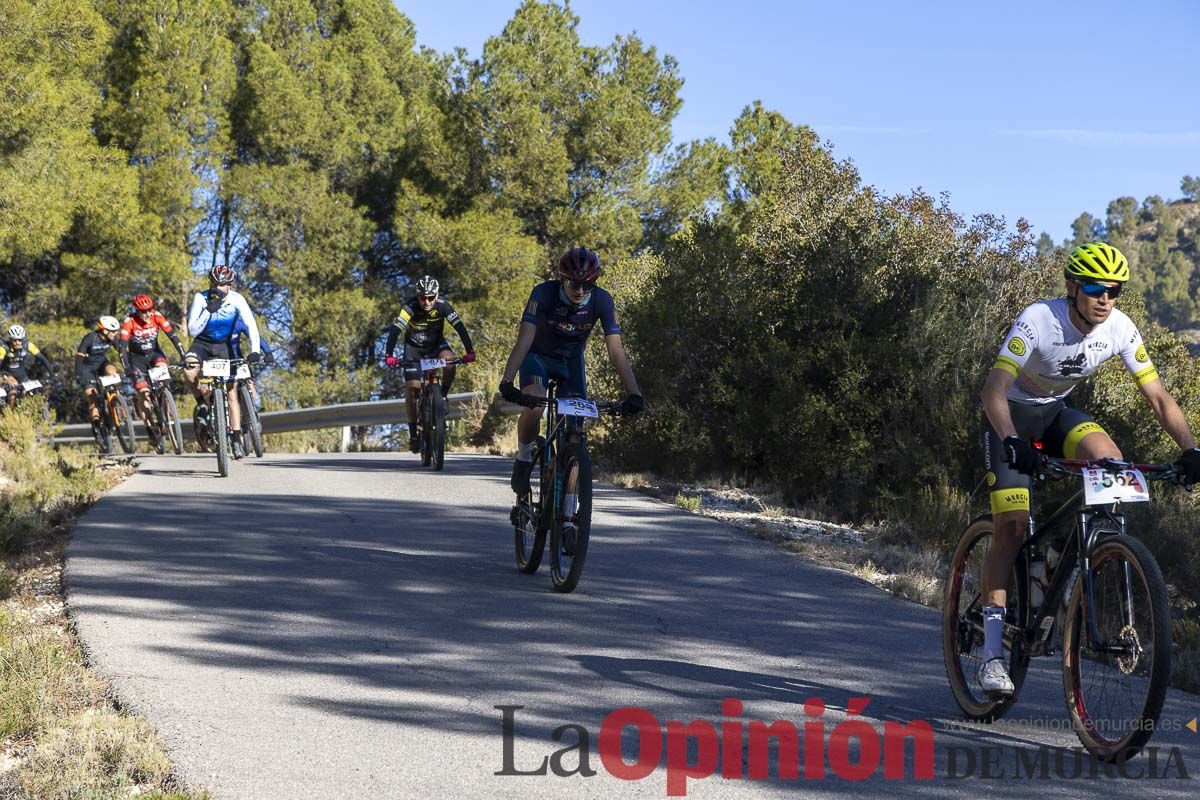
(17, 356)
(422, 322)
(1052, 346)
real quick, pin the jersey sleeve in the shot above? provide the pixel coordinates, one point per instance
(163, 322)
(1137, 360)
(403, 318)
(607, 311)
(247, 317)
(197, 315)
(33, 349)
(127, 329)
(1019, 343)
(533, 307)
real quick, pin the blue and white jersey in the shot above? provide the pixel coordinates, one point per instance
(219, 325)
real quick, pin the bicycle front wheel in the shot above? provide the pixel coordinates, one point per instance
(220, 433)
(439, 432)
(251, 426)
(572, 519)
(1115, 685)
(170, 419)
(962, 626)
(122, 420)
(528, 534)
(426, 417)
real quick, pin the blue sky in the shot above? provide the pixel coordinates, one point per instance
(1035, 110)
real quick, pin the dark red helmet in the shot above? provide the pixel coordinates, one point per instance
(143, 302)
(221, 274)
(580, 264)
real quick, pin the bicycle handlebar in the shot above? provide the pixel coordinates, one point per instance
(1058, 468)
(611, 407)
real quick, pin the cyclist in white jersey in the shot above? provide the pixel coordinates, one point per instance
(1053, 345)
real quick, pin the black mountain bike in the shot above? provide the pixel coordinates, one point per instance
(163, 424)
(251, 425)
(431, 410)
(1115, 620)
(559, 502)
(216, 374)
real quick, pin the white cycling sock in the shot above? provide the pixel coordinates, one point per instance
(993, 632)
(525, 450)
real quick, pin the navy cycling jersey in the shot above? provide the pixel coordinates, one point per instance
(562, 327)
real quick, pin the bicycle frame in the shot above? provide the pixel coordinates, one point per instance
(1037, 624)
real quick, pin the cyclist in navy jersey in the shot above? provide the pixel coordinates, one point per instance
(235, 347)
(558, 319)
(211, 321)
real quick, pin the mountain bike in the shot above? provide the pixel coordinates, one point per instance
(251, 424)
(115, 415)
(23, 389)
(162, 423)
(1105, 590)
(214, 434)
(559, 503)
(431, 410)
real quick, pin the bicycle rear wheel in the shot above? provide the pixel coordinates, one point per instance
(570, 531)
(528, 533)
(122, 420)
(1115, 686)
(220, 432)
(170, 420)
(962, 626)
(251, 426)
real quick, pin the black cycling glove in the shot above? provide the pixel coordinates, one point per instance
(269, 358)
(254, 358)
(509, 392)
(1189, 466)
(634, 404)
(215, 301)
(1020, 455)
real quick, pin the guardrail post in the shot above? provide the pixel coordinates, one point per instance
(345, 439)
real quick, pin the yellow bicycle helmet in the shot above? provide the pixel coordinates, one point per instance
(1097, 262)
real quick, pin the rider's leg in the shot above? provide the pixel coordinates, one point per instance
(12, 387)
(412, 391)
(448, 372)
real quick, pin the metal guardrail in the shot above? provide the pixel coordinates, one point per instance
(345, 415)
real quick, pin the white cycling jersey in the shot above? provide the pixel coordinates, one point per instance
(1048, 355)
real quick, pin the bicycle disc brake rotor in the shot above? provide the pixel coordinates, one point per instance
(1131, 654)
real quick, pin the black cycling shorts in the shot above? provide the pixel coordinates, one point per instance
(413, 354)
(203, 349)
(1058, 426)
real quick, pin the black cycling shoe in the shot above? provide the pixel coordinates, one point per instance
(414, 444)
(520, 476)
(239, 451)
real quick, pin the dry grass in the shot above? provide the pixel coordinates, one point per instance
(60, 735)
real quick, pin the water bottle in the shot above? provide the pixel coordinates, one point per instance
(1038, 582)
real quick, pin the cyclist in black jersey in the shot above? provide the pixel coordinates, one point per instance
(422, 321)
(18, 356)
(91, 359)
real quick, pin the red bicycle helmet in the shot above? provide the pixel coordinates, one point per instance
(221, 274)
(143, 302)
(580, 264)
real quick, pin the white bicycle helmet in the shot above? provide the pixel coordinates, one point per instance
(16, 332)
(107, 323)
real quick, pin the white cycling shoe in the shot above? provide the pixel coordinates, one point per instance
(995, 677)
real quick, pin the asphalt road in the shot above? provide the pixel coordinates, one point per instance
(335, 626)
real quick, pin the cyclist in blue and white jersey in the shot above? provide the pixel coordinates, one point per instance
(211, 322)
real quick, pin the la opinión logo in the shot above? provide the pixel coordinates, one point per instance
(853, 750)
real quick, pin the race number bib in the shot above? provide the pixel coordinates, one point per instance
(428, 364)
(216, 368)
(109, 380)
(160, 373)
(3, 393)
(243, 372)
(575, 407)
(1102, 487)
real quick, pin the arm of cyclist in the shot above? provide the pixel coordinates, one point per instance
(1018, 452)
(1171, 417)
(244, 313)
(169, 330)
(389, 350)
(198, 315)
(123, 351)
(45, 362)
(616, 353)
(521, 349)
(461, 329)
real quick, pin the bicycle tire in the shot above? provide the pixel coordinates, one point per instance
(156, 427)
(961, 631)
(426, 427)
(251, 427)
(170, 418)
(220, 433)
(568, 553)
(1152, 664)
(528, 533)
(439, 431)
(123, 422)
(105, 436)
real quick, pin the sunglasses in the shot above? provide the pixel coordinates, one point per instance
(577, 286)
(1098, 289)
(427, 298)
